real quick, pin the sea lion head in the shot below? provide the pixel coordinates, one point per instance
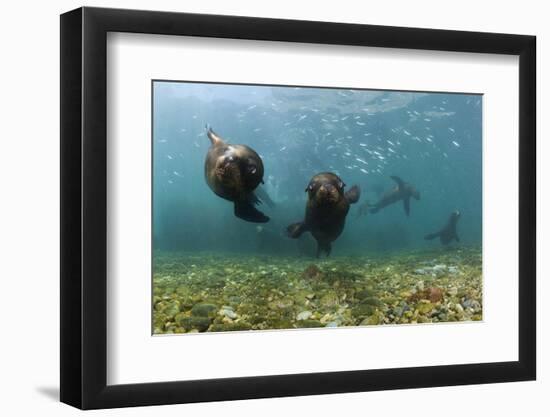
(227, 170)
(325, 189)
(232, 170)
(239, 166)
(250, 165)
(456, 214)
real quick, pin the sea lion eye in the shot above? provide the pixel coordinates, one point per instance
(309, 188)
(341, 184)
(252, 169)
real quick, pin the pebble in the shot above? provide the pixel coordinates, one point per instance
(203, 310)
(435, 294)
(425, 308)
(228, 312)
(372, 320)
(304, 315)
(473, 304)
(326, 318)
(453, 270)
(436, 269)
(304, 324)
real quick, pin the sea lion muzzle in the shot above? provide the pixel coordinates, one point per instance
(327, 193)
(228, 170)
(228, 160)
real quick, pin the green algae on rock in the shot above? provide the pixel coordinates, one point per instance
(204, 310)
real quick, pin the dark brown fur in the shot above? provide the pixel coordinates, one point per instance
(233, 172)
(448, 233)
(326, 210)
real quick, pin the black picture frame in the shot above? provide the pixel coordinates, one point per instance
(84, 207)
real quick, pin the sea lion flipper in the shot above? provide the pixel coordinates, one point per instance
(295, 230)
(324, 247)
(262, 194)
(215, 139)
(399, 181)
(245, 210)
(353, 194)
(363, 209)
(252, 198)
(407, 205)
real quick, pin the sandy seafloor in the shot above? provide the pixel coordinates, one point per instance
(198, 292)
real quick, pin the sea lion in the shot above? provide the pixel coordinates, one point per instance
(233, 172)
(402, 192)
(373, 188)
(326, 210)
(448, 233)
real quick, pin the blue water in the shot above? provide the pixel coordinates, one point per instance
(431, 140)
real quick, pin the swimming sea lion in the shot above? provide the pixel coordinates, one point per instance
(448, 233)
(233, 172)
(402, 192)
(326, 210)
(372, 188)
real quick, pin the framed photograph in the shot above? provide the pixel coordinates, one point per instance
(257, 208)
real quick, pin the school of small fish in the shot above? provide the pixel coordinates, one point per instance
(346, 131)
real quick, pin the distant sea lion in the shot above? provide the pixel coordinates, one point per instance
(448, 233)
(326, 210)
(373, 188)
(233, 172)
(402, 192)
